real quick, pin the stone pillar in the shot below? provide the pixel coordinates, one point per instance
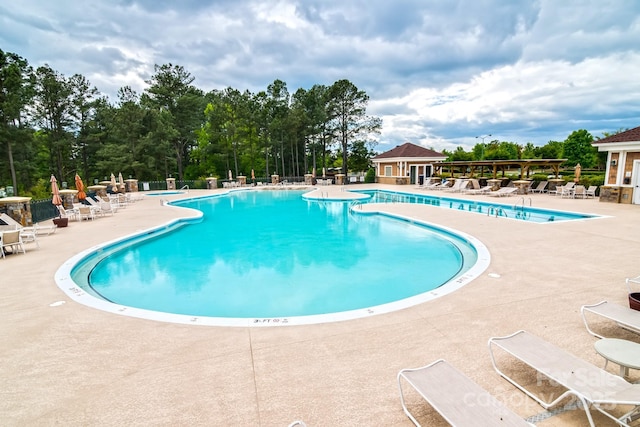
(100, 190)
(18, 208)
(131, 185)
(340, 179)
(554, 183)
(275, 179)
(494, 183)
(68, 197)
(171, 183)
(212, 183)
(308, 179)
(242, 180)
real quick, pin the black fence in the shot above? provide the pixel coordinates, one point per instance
(42, 210)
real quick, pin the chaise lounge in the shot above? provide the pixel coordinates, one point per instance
(592, 386)
(459, 400)
(623, 316)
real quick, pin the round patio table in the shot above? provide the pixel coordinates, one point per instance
(621, 352)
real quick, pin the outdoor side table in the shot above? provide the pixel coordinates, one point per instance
(621, 352)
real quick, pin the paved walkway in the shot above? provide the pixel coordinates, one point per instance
(71, 365)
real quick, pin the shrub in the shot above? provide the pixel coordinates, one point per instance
(370, 176)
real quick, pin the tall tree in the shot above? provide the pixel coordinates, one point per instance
(54, 111)
(348, 109)
(577, 148)
(16, 92)
(170, 89)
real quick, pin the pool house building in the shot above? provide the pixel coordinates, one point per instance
(406, 164)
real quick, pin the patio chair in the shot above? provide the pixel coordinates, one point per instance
(97, 209)
(624, 317)
(71, 213)
(541, 187)
(86, 212)
(580, 192)
(13, 240)
(592, 386)
(591, 191)
(459, 400)
(567, 190)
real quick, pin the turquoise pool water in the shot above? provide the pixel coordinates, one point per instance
(274, 255)
(519, 209)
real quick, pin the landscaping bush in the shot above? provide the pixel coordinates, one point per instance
(370, 176)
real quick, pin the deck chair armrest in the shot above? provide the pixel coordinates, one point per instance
(583, 312)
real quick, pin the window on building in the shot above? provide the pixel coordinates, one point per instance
(388, 170)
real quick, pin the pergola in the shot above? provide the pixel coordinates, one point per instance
(469, 168)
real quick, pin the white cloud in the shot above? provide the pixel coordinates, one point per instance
(438, 73)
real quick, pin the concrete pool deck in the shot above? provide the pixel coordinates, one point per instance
(72, 365)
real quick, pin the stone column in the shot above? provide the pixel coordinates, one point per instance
(242, 180)
(212, 183)
(171, 183)
(131, 185)
(275, 179)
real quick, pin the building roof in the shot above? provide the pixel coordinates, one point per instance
(631, 135)
(409, 150)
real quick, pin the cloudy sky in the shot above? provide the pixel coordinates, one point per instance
(439, 73)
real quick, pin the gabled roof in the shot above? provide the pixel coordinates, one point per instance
(409, 150)
(631, 135)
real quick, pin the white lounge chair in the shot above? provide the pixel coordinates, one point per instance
(625, 317)
(482, 190)
(457, 186)
(591, 191)
(459, 400)
(503, 192)
(541, 187)
(592, 386)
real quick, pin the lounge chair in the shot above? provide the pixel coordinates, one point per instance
(591, 191)
(458, 186)
(11, 239)
(503, 192)
(483, 190)
(592, 386)
(541, 187)
(624, 317)
(459, 400)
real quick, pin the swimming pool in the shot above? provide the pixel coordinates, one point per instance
(518, 210)
(271, 257)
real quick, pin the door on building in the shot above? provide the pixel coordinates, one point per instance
(413, 173)
(636, 182)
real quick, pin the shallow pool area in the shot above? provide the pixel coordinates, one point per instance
(517, 208)
(272, 257)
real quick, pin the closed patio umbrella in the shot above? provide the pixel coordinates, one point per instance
(120, 180)
(230, 175)
(577, 173)
(253, 175)
(114, 185)
(56, 200)
(80, 187)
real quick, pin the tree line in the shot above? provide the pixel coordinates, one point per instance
(53, 124)
(577, 148)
